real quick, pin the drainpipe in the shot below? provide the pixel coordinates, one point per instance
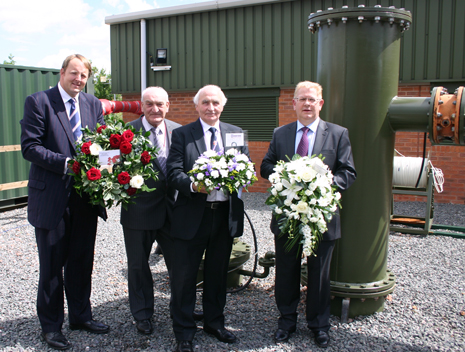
(143, 56)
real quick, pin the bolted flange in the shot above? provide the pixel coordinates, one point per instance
(377, 14)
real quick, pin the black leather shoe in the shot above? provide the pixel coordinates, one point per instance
(184, 346)
(56, 340)
(282, 335)
(321, 338)
(221, 334)
(144, 327)
(197, 315)
(92, 326)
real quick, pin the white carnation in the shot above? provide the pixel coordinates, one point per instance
(136, 181)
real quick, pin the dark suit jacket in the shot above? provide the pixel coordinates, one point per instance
(188, 144)
(46, 141)
(151, 209)
(332, 141)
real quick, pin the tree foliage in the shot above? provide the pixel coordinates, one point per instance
(10, 61)
(102, 83)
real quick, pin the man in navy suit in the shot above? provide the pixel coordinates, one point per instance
(148, 218)
(65, 224)
(332, 141)
(201, 222)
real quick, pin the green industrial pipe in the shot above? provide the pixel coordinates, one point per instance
(410, 114)
(358, 67)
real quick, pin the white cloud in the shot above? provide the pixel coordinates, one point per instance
(140, 5)
(55, 60)
(31, 16)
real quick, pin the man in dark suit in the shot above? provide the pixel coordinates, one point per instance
(148, 218)
(201, 222)
(332, 141)
(65, 224)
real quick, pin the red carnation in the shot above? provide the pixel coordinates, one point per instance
(127, 135)
(101, 128)
(76, 167)
(145, 157)
(131, 191)
(93, 174)
(125, 147)
(115, 140)
(124, 178)
(85, 147)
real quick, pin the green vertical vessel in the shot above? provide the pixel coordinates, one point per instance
(358, 67)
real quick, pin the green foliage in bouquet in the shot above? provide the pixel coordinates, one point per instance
(124, 176)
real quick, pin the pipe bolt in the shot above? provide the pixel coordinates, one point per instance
(361, 18)
(452, 116)
(391, 20)
(361, 5)
(440, 102)
(344, 19)
(330, 21)
(377, 19)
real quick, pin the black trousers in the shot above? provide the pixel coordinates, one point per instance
(140, 281)
(66, 256)
(212, 238)
(287, 285)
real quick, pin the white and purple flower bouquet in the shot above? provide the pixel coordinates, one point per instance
(303, 199)
(226, 171)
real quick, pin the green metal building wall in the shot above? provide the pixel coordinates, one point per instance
(268, 45)
(16, 83)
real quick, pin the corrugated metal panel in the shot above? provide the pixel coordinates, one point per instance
(16, 83)
(125, 58)
(268, 45)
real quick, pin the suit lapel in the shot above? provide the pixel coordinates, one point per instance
(197, 134)
(289, 143)
(321, 134)
(60, 110)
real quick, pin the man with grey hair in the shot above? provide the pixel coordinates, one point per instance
(206, 223)
(148, 218)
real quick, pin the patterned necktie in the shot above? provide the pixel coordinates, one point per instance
(214, 141)
(302, 148)
(75, 121)
(158, 142)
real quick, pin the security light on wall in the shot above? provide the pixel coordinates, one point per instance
(161, 56)
(160, 60)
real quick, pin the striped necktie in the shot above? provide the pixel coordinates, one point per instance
(158, 142)
(75, 121)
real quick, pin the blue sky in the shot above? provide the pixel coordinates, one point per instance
(41, 33)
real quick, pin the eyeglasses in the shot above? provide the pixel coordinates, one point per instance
(310, 100)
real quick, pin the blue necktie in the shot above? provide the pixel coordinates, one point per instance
(75, 121)
(302, 148)
(214, 141)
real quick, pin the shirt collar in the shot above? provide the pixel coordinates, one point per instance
(313, 126)
(65, 96)
(206, 126)
(148, 126)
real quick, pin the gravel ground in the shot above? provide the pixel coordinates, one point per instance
(426, 312)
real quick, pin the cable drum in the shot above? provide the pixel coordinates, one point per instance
(407, 170)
